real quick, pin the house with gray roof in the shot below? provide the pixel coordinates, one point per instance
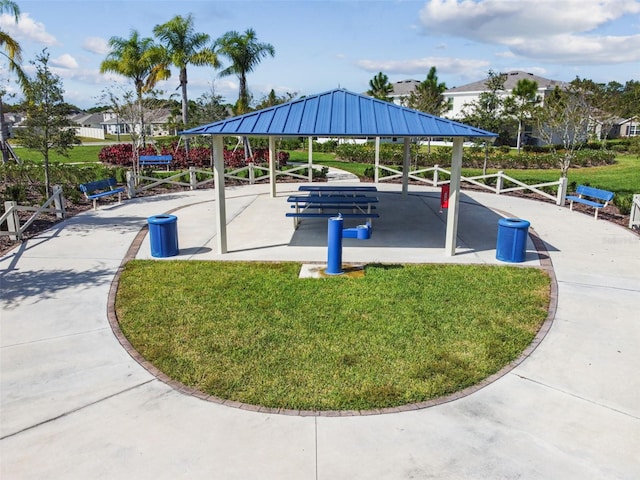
(470, 93)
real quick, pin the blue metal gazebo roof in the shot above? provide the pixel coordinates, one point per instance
(338, 113)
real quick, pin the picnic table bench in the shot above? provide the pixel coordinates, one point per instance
(592, 193)
(323, 206)
(151, 160)
(101, 188)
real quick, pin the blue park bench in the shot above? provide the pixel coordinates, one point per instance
(152, 160)
(101, 188)
(592, 194)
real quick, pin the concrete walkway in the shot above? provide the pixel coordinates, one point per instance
(75, 405)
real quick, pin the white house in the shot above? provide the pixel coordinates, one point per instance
(470, 93)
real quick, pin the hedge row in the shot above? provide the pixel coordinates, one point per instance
(122, 154)
(498, 158)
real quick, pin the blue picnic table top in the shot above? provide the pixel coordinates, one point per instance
(331, 189)
(334, 199)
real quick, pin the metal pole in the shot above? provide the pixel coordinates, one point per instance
(334, 250)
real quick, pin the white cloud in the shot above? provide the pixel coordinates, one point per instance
(27, 29)
(571, 49)
(64, 61)
(96, 45)
(421, 66)
(554, 31)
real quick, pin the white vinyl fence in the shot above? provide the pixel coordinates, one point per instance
(503, 183)
(14, 229)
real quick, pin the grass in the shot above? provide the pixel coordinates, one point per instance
(78, 154)
(621, 178)
(256, 333)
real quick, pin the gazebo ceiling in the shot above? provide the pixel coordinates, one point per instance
(339, 113)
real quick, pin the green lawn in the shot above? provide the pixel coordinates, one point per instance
(78, 154)
(256, 333)
(621, 178)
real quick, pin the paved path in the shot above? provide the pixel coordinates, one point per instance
(75, 405)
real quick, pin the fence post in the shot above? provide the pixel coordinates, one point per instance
(252, 175)
(634, 214)
(58, 201)
(131, 185)
(499, 182)
(562, 191)
(435, 175)
(192, 178)
(13, 221)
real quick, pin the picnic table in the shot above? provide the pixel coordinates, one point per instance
(327, 202)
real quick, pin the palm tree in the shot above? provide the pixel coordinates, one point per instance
(183, 47)
(245, 53)
(380, 88)
(13, 52)
(7, 42)
(140, 60)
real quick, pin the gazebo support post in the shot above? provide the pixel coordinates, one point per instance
(218, 183)
(310, 162)
(272, 166)
(376, 173)
(406, 164)
(454, 198)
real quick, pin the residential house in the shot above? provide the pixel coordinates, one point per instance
(625, 128)
(402, 90)
(470, 93)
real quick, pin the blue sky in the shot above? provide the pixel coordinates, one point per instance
(321, 44)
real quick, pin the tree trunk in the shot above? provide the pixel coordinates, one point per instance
(142, 126)
(47, 181)
(185, 104)
(3, 134)
(518, 141)
(486, 158)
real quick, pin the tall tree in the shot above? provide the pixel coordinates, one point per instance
(488, 111)
(380, 88)
(272, 99)
(140, 60)
(47, 123)
(184, 46)
(245, 53)
(564, 118)
(428, 95)
(522, 104)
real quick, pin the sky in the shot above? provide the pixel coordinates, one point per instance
(321, 44)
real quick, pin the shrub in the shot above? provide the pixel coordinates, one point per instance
(624, 203)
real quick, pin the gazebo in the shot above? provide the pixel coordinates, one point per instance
(339, 114)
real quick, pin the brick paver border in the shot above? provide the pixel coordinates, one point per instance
(545, 264)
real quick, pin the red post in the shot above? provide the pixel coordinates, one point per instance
(444, 196)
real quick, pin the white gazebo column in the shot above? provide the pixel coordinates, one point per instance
(454, 198)
(376, 173)
(406, 163)
(272, 166)
(310, 160)
(218, 182)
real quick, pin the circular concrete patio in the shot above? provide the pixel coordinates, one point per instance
(76, 405)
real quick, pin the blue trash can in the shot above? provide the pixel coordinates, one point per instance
(163, 235)
(512, 239)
